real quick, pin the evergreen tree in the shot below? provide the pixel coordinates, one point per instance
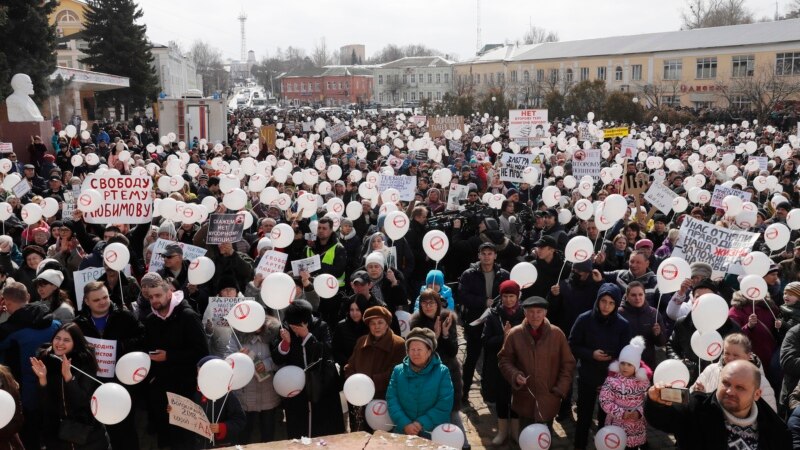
(119, 46)
(27, 44)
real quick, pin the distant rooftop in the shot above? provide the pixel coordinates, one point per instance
(330, 71)
(417, 61)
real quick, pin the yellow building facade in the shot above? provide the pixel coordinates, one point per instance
(68, 17)
(694, 68)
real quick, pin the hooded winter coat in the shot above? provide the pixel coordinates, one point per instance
(620, 394)
(593, 331)
(437, 277)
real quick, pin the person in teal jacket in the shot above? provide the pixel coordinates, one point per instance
(420, 394)
(435, 280)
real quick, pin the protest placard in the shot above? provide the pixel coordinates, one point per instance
(438, 125)
(628, 148)
(6, 147)
(68, 207)
(225, 228)
(619, 132)
(219, 307)
(190, 253)
(125, 199)
(511, 166)
(417, 119)
(762, 162)
(722, 248)
(21, 188)
(82, 277)
(105, 352)
(457, 193)
(310, 265)
(268, 135)
(586, 162)
(405, 184)
(661, 197)
(585, 134)
(187, 414)
(337, 131)
(272, 262)
(527, 124)
(720, 192)
(455, 146)
(419, 155)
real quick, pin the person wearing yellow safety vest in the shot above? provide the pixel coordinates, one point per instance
(333, 259)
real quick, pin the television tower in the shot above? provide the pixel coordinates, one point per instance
(242, 20)
(478, 43)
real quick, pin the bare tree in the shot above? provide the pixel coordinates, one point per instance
(715, 13)
(793, 10)
(394, 52)
(537, 35)
(320, 56)
(653, 93)
(763, 91)
(208, 64)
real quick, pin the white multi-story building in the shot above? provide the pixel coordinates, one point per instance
(413, 79)
(176, 72)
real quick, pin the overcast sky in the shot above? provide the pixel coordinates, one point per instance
(447, 25)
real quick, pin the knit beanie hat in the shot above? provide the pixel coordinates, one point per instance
(793, 288)
(509, 287)
(375, 258)
(168, 227)
(632, 353)
(423, 335)
(701, 269)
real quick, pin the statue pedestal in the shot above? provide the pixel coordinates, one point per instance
(19, 134)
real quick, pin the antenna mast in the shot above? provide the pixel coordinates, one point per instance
(242, 20)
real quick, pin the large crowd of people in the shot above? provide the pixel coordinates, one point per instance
(545, 336)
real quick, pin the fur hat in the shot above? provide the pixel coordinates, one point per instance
(632, 354)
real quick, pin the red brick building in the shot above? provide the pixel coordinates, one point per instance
(327, 86)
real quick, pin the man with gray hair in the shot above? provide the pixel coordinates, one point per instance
(175, 339)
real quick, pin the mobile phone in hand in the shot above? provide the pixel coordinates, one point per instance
(675, 395)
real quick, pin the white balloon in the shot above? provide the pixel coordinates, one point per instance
(133, 367)
(5, 211)
(116, 256)
(579, 249)
(326, 285)
(793, 219)
(214, 378)
(31, 213)
(377, 415)
(679, 204)
(777, 236)
(289, 381)
(353, 210)
(201, 270)
(753, 287)
(707, 346)
(551, 196)
(8, 408)
(449, 435)
(583, 209)
(709, 312)
(278, 290)
(359, 389)
(671, 273)
(247, 316)
(530, 175)
(50, 207)
(610, 437)
(672, 373)
(564, 216)
(525, 274)
(496, 201)
(396, 225)
(243, 369)
(535, 437)
(111, 403)
(756, 263)
(614, 207)
(282, 235)
(732, 205)
(435, 244)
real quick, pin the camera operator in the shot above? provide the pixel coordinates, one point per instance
(508, 252)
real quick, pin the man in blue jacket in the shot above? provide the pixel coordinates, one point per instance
(28, 327)
(596, 339)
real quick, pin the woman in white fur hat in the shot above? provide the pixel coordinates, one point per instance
(624, 391)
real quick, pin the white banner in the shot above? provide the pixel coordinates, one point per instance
(457, 193)
(272, 262)
(125, 199)
(310, 265)
(661, 197)
(722, 248)
(511, 166)
(105, 352)
(586, 162)
(628, 148)
(405, 184)
(527, 123)
(190, 253)
(720, 192)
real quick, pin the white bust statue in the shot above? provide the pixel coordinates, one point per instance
(21, 107)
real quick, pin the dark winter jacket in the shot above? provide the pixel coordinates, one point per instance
(547, 277)
(231, 420)
(199, 300)
(472, 289)
(680, 343)
(121, 326)
(592, 331)
(575, 298)
(492, 338)
(344, 339)
(641, 321)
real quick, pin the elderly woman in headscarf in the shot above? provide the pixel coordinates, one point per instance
(375, 355)
(376, 243)
(434, 201)
(388, 286)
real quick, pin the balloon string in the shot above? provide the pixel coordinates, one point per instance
(236, 338)
(212, 417)
(75, 368)
(222, 407)
(561, 271)
(120, 274)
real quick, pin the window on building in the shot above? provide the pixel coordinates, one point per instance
(413, 96)
(396, 78)
(405, 97)
(787, 64)
(501, 78)
(636, 72)
(491, 78)
(446, 78)
(439, 95)
(317, 86)
(413, 78)
(430, 78)
(513, 76)
(601, 73)
(297, 87)
(288, 87)
(568, 75)
(347, 85)
(438, 78)
(526, 76)
(671, 100)
(618, 74)
(673, 69)
(405, 79)
(584, 73)
(303, 87)
(380, 79)
(540, 75)
(380, 96)
(429, 93)
(743, 66)
(553, 75)
(703, 105)
(740, 102)
(706, 68)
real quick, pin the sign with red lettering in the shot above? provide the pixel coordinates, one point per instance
(105, 352)
(126, 199)
(527, 123)
(723, 248)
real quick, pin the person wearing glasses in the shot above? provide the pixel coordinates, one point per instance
(177, 268)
